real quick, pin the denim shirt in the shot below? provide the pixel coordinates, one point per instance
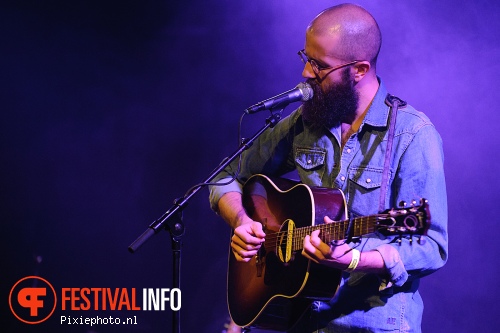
(364, 302)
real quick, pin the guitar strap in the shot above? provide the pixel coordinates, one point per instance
(394, 103)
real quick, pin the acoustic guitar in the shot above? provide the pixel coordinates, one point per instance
(276, 286)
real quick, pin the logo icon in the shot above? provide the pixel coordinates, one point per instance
(32, 300)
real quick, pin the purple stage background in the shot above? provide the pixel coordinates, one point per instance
(111, 110)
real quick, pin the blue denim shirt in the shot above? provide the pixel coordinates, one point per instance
(365, 302)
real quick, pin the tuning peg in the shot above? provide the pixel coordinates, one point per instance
(392, 212)
(402, 204)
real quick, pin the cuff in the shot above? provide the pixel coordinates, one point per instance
(395, 267)
(216, 191)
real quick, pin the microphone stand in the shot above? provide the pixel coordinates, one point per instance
(172, 221)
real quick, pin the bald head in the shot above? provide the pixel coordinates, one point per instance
(354, 30)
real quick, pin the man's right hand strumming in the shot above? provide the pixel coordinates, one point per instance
(247, 240)
(248, 234)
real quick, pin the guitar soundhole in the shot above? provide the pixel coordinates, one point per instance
(284, 246)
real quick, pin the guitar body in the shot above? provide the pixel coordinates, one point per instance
(274, 289)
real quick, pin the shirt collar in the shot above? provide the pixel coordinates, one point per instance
(378, 112)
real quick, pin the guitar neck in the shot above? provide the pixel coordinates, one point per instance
(329, 232)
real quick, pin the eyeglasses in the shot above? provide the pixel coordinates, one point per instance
(317, 68)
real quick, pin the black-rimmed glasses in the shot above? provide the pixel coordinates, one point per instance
(318, 68)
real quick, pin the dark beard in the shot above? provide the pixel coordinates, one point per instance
(337, 105)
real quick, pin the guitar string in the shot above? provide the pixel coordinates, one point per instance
(361, 225)
(338, 229)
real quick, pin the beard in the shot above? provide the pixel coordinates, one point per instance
(338, 104)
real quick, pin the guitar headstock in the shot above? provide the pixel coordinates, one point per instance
(405, 220)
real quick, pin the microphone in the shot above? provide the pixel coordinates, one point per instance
(302, 92)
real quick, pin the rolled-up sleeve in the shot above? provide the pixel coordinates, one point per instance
(421, 175)
(217, 191)
(394, 264)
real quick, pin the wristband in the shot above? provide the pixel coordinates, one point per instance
(354, 261)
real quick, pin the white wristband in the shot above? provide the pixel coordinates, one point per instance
(354, 261)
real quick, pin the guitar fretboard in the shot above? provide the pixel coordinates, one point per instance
(328, 232)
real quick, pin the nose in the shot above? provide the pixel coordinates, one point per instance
(308, 72)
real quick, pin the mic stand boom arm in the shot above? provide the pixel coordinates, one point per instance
(172, 218)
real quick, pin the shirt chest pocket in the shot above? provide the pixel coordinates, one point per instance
(366, 178)
(310, 163)
(364, 189)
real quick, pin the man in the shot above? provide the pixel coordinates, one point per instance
(338, 140)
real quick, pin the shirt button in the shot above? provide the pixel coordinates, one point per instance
(368, 180)
(309, 161)
(348, 150)
(342, 178)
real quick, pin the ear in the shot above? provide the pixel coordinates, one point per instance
(360, 70)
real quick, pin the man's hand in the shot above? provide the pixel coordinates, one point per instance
(248, 234)
(247, 240)
(337, 255)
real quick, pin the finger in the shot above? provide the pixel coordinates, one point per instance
(311, 251)
(257, 230)
(328, 219)
(315, 240)
(321, 246)
(246, 234)
(240, 258)
(318, 243)
(242, 254)
(244, 244)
